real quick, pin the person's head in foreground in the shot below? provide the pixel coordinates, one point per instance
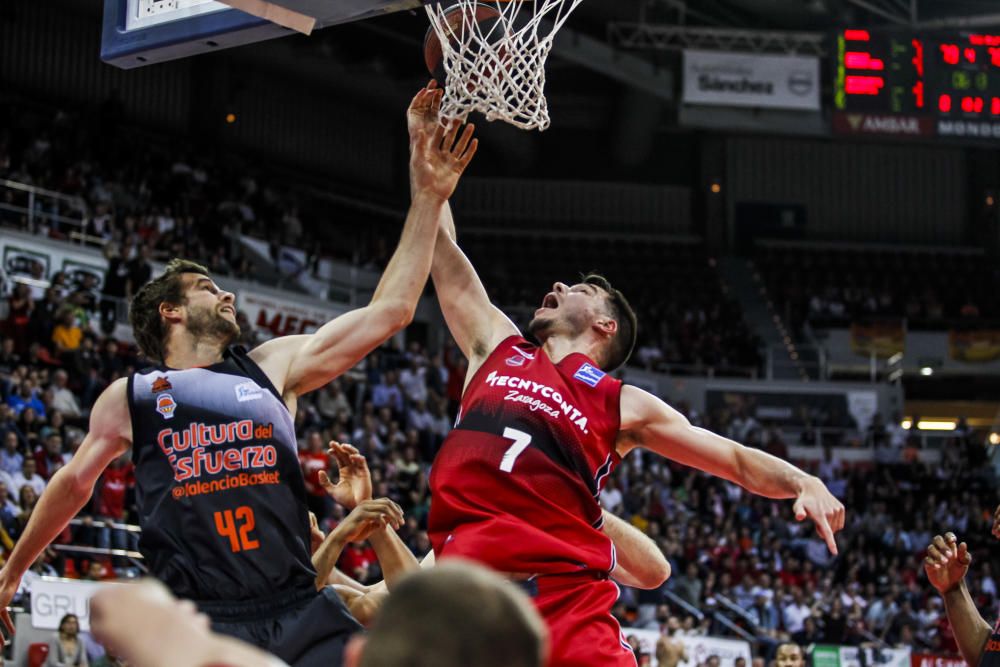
(789, 655)
(183, 301)
(588, 311)
(453, 615)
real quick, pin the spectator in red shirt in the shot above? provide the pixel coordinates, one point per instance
(49, 456)
(110, 495)
(315, 459)
(357, 561)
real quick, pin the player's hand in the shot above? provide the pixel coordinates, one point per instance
(8, 589)
(816, 502)
(367, 517)
(440, 158)
(423, 114)
(946, 562)
(355, 482)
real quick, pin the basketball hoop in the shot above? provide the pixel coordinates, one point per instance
(494, 55)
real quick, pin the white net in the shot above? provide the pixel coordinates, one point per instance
(494, 55)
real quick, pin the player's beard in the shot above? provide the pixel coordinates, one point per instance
(209, 323)
(540, 328)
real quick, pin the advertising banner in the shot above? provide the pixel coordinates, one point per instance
(696, 649)
(721, 78)
(974, 346)
(51, 599)
(883, 338)
(274, 316)
(852, 656)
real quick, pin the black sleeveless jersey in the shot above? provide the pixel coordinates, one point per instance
(219, 489)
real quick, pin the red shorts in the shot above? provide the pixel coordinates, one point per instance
(582, 631)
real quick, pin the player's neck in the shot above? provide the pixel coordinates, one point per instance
(559, 347)
(185, 351)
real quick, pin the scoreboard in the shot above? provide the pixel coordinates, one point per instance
(917, 84)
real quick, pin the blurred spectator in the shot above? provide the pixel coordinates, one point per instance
(66, 649)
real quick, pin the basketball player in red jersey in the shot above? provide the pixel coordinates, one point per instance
(540, 429)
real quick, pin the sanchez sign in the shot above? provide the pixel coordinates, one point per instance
(749, 80)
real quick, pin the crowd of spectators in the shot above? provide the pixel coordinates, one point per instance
(831, 286)
(170, 200)
(687, 322)
(729, 551)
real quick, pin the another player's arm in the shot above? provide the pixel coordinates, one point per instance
(641, 563)
(475, 323)
(946, 565)
(300, 364)
(367, 518)
(650, 423)
(70, 487)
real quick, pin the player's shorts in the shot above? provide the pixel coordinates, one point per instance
(305, 628)
(577, 610)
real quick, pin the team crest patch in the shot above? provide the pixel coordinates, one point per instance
(589, 375)
(166, 405)
(516, 361)
(161, 384)
(248, 391)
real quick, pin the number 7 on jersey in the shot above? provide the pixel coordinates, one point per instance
(521, 442)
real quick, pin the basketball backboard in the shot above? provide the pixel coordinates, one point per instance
(144, 32)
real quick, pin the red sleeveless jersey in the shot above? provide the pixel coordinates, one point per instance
(516, 483)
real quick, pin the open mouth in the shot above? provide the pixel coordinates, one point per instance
(229, 309)
(550, 301)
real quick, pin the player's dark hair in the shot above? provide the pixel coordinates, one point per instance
(456, 615)
(144, 313)
(624, 340)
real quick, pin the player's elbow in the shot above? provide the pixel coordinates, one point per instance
(394, 316)
(72, 482)
(656, 575)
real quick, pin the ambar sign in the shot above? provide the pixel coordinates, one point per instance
(883, 124)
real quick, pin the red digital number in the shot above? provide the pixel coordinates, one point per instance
(944, 103)
(239, 538)
(950, 53)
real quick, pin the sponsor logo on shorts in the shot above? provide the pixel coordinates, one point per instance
(248, 391)
(589, 375)
(166, 405)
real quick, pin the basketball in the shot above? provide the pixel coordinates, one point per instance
(459, 21)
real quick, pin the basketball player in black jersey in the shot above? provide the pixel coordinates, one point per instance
(221, 496)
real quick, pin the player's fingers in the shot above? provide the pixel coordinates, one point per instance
(935, 556)
(7, 622)
(963, 553)
(324, 479)
(950, 538)
(452, 134)
(436, 97)
(823, 528)
(467, 158)
(800, 509)
(941, 545)
(463, 141)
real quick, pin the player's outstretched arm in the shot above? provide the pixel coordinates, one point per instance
(475, 323)
(946, 565)
(641, 563)
(650, 423)
(70, 487)
(299, 364)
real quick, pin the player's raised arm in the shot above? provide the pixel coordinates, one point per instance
(70, 487)
(299, 364)
(648, 422)
(475, 323)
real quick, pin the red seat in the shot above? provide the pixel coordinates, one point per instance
(37, 653)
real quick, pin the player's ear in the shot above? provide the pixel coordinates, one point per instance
(606, 326)
(170, 311)
(354, 650)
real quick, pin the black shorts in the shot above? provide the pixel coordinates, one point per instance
(305, 628)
